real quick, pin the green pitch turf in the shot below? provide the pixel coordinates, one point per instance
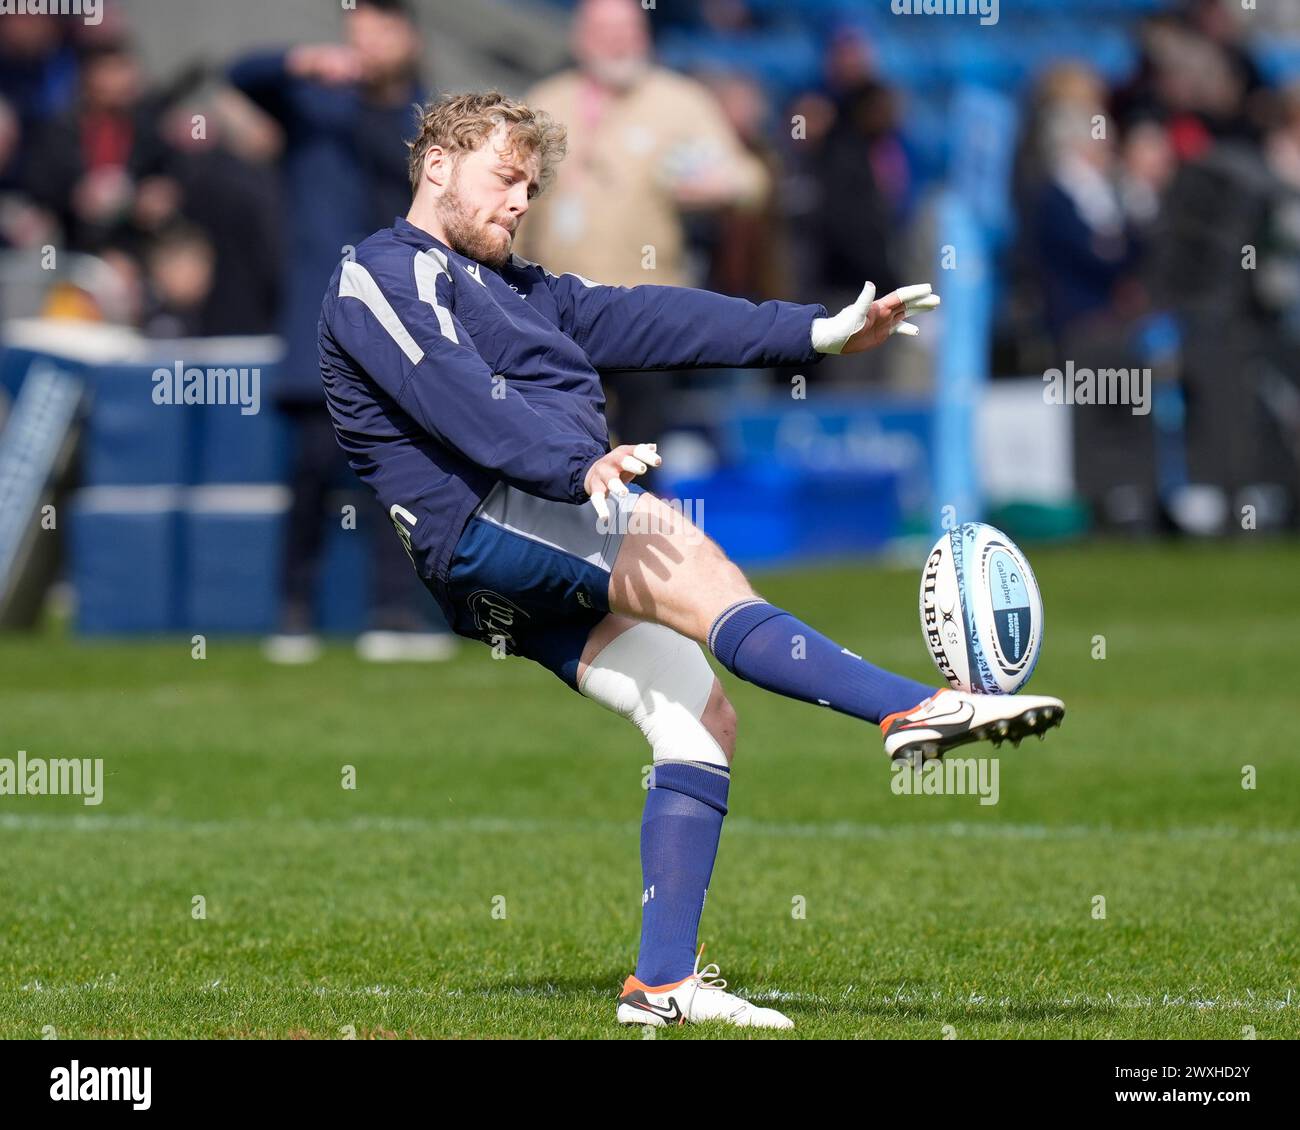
(482, 879)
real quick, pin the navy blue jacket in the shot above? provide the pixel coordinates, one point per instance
(344, 164)
(444, 376)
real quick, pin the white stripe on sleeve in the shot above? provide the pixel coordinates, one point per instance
(428, 266)
(357, 282)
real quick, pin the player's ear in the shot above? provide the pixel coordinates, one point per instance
(437, 165)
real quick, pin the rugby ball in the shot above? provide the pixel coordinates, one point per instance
(981, 612)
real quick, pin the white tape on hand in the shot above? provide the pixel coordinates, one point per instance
(916, 299)
(909, 294)
(648, 454)
(829, 335)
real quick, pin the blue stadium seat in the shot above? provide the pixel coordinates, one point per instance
(234, 448)
(232, 540)
(129, 439)
(125, 560)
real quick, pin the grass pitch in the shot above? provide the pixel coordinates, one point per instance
(482, 879)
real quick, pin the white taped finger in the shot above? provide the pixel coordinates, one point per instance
(929, 302)
(911, 293)
(617, 487)
(633, 465)
(601, 504)
(647, 454)
(906, 329)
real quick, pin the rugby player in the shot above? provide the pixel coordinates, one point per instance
(464, 387)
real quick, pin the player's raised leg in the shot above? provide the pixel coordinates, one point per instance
(661, 682)
(670, 572)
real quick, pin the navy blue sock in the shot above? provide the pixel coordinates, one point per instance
(770, 648)
(680, 828)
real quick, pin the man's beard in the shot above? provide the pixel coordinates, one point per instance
(465, 236)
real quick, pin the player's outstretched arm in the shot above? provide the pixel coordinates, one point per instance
(678, 327)
(668, 327)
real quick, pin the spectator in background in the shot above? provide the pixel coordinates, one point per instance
(849, 62)
(85, 164)
(1084, 258)
(346, 111)
(218, 173)
(179, 270)
(646, 145)
(22, 223)
(1222, 23)
(38, 72)
(1084, 248)
(846, 187)
(1147, 166)
(811, 114)
(1195, 85)
(1063, 87)
(864, 183)
(750, 253)
(1023, 343)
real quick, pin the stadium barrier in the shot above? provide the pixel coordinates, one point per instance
(176, 523)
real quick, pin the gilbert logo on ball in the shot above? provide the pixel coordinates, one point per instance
(981, 611)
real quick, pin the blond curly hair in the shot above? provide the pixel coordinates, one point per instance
(461, 122)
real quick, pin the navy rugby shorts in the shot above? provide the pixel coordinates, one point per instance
(532, 575)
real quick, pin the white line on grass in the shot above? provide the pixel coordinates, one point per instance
(736, 825)
(901, 996)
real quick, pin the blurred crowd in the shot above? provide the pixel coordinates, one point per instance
(1160, 229)
(1158, 219)
(169, 186)
(158, 191)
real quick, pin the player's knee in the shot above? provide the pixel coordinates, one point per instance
(663, 684)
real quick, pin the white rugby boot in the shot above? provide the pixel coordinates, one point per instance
(701, 996)
(951, 718)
